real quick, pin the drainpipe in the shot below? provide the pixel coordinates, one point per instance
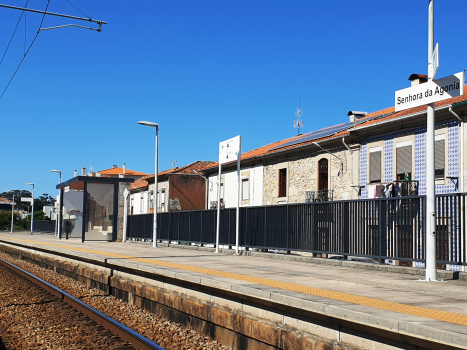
(461, 175)
(351, 161)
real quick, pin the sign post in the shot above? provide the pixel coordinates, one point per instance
(427, 94)
(430, 263)
(229, 151)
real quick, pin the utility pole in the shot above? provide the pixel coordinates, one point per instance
(430, 264)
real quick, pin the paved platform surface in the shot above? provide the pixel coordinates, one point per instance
(438, 309)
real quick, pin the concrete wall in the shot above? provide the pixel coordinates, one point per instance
(254, 176)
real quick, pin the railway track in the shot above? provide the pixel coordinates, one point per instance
(109, 328)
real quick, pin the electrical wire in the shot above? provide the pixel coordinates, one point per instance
(77, 9)
(48, 2)
(17, 24)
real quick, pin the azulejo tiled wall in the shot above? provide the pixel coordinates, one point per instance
(452, 144)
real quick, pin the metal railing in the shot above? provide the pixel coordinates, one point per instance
(384, 228)
(42, 225)
(319, 196)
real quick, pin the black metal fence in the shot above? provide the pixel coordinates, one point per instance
(388, 228)
(41, 225)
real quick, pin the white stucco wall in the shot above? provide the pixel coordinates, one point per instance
(254, 175)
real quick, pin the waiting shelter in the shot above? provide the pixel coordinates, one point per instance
(93, 208)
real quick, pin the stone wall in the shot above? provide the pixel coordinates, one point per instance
(302, 176)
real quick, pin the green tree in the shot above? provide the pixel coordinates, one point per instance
(18, 194)
(5, 221)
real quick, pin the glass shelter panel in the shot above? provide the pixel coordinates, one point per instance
(72, 214)
(99, 209)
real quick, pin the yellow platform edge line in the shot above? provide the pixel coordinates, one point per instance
(439, 315)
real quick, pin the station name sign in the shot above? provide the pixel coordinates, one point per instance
(430, 92)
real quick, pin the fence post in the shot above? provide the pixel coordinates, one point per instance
(345, 229)
(246, 228)
(264, 236)
(201, 229)
(313, 228)
(382, 207)
(169, 233)
(287, 231)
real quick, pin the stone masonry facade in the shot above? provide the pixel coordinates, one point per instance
(302, 176)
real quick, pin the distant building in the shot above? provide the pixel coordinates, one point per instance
(5, 204)
(179, 189)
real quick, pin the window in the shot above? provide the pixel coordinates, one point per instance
(282, 182)
(151, 200)
(439, 157)
(245, 189)
(162, 205)
(375, 164)
(404, 161)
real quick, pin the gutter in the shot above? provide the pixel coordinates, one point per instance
(280, 151)
(396, 119)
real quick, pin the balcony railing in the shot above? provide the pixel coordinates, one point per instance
(319, 196)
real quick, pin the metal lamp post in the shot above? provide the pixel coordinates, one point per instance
(32, 212)
(59, 219)
(154, 125)
(12, 207)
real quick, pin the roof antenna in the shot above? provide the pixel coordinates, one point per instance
(298, 123)
(173, 163)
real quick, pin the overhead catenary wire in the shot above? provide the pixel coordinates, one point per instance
(26, 53)
(17, 24)
(77, 9)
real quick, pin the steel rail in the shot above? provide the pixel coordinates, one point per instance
(126, 334)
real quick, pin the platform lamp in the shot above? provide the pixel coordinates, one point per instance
(154, 125)
(58, 220)
(32, 212)
(12, 207)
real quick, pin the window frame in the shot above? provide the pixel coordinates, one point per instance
(373, 150)
(282, 183)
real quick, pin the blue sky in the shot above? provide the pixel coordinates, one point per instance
(205, 71)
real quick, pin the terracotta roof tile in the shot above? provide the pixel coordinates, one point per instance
(117, 171)
(199, 165)
(138, 184)
(5, 201)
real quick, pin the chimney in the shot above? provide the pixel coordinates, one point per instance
(114, 166)
(83, 171)
(124, 167)
(417, 79)
(355, 115)
(76, 173)
(98, 174)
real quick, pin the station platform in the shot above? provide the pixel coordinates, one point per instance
(389, 298)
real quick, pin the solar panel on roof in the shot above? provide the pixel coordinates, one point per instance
(314, 135)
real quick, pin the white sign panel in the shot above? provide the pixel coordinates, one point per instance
(229, 150)
(430, 92)
(26, 199)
